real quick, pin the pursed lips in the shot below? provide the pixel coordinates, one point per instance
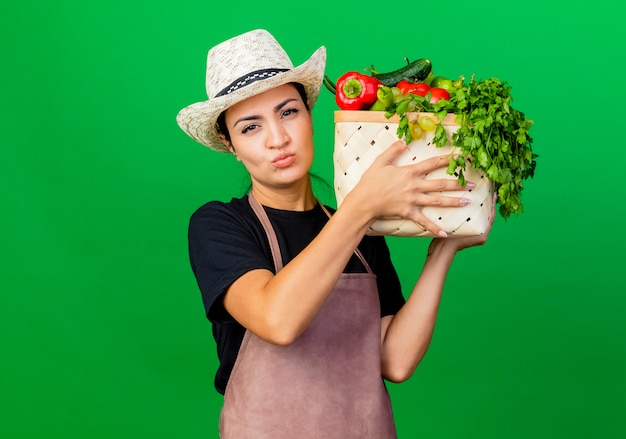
(283, 160)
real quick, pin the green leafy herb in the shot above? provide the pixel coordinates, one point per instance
(493, 136)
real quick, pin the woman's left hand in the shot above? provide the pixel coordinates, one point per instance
(462, 242)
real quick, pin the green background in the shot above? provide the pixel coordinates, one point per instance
(102, 328)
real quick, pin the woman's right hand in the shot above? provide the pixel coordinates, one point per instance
(387, 190)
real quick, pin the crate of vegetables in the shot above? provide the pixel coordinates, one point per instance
(360, 136)
(472, 122)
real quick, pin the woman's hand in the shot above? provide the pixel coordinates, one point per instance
(462, 242)
(390, 191)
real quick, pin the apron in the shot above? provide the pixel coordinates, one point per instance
(327, 384)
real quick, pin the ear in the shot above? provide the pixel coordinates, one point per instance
(231, 148)
(228, 144)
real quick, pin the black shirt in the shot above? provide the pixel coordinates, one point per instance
(226, 240)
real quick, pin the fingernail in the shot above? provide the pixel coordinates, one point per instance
(465, 201)
(443, 234)
(470, 185)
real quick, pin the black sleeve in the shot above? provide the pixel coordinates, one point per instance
(223, 245)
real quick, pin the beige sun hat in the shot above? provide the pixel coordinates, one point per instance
(239, 68)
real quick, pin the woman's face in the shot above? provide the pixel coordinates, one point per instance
(272, 135)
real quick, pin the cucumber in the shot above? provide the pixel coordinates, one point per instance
(414, 71)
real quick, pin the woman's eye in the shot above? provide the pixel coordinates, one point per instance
(249, 128)
(290, 111)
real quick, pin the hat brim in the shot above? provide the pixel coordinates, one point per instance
(199, 120)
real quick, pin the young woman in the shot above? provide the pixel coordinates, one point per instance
(307, 311)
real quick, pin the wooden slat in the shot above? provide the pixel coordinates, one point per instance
(379, 116)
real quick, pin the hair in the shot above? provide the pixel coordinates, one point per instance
(221, 120)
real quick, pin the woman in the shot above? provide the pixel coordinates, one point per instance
(307, 311)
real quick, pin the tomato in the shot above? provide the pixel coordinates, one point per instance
(404, 86)
(437, 93)
(417, 88)
(421, 89)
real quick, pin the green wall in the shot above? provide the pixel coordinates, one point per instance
(102, 328)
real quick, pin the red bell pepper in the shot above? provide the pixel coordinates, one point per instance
(356, 91)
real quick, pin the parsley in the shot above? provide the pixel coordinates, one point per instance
(493, 136)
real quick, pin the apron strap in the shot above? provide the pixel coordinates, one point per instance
(269, 231)
(356, 251)
(271, 235)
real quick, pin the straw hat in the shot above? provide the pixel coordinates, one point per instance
(239, 68)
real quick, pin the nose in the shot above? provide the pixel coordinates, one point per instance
(277, 136)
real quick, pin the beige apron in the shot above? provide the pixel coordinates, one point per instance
(327, 384)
